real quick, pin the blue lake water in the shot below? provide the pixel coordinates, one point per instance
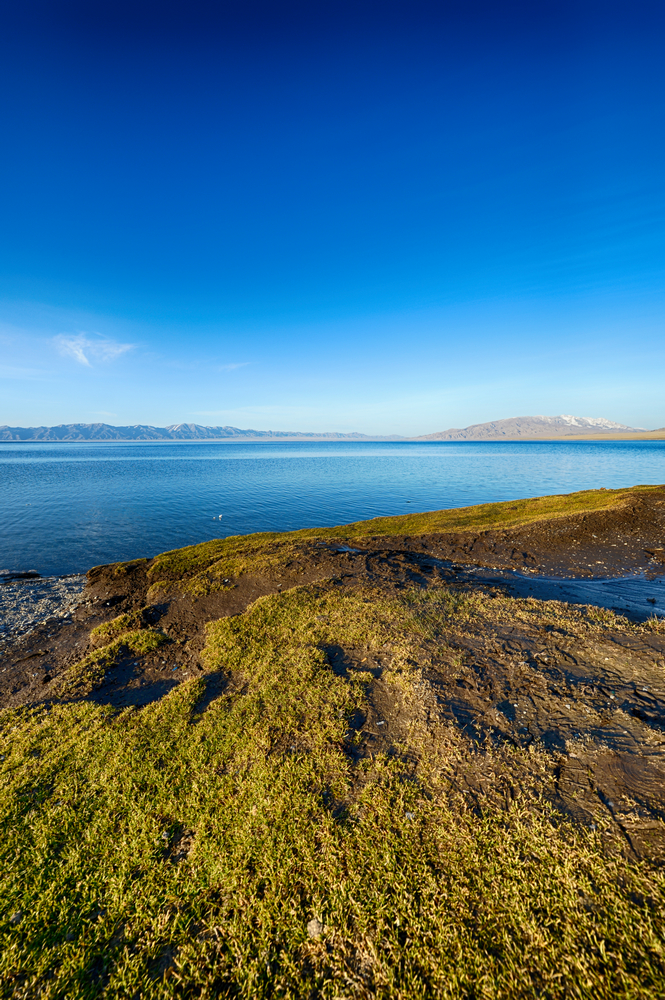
(66, 507)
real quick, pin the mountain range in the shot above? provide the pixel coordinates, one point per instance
(512, 429)
(515, 428)
(146, 432)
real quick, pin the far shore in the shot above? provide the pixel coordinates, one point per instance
(658, 435)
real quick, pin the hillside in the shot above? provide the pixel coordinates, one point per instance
(517, 428)
(324, 764)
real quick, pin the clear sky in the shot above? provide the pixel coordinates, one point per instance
(390, 217)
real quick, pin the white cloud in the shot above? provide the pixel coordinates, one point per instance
(85, 349)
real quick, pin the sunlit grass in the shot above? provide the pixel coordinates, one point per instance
(181, 852)
(85, 675)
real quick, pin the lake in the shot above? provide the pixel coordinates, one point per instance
(66, 507)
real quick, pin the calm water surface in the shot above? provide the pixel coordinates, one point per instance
(66, 507)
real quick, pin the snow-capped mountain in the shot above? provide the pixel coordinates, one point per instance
(515, 428)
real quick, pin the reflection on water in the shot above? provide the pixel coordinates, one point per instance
(66, 507)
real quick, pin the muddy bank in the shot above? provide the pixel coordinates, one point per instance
(46, 624)
(624, 540)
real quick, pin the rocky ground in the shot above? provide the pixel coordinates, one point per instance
(33, 603)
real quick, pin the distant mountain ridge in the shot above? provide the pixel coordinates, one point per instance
(145, 432)
(515, 428)
(512, 429)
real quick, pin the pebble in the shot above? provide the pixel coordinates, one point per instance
(315, 929)
(25, 604)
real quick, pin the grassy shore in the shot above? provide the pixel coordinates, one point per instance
(244, 846)
(200, 569)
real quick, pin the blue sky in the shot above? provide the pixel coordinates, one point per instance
(387, 217)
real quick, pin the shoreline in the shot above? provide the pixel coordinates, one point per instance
(28, 603)
(658, 435)
(604, 549)
(259, 725)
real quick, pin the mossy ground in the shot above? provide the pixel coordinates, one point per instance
(212, 566)
(183, 850)
(83, 676)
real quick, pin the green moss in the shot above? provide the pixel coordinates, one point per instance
(143, 641)
(275, 629)
(175, 563)
(123, 568)
(89, 672)
(212, 562)
(102, 634)
(483, 517)
(176, 852)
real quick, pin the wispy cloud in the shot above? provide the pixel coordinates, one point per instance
(86, 349)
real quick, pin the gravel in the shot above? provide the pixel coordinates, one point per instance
(25, 604)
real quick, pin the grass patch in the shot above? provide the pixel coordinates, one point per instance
(103, 634)
(123, 568)
(483, 517)
(175, 852)
(202, 569)
(89, 672)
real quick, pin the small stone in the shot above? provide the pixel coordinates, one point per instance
(16, 918)
(315, 929)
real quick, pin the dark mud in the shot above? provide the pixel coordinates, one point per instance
(523, 681)
(621, 541)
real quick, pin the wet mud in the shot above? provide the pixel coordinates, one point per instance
(637, 596)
